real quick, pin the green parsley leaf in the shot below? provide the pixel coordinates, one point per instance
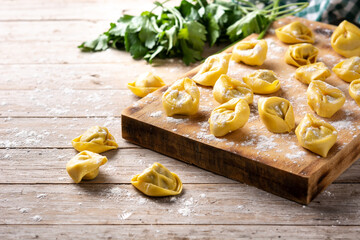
(190, 55)
(194, 33)
(98, 44)
(134, 45)
(119, 28)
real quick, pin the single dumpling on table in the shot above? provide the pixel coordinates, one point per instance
(182, 97)
(277, 114)
(250, 52)
(146, 83)
(316, 135)
(212, 68)
(157, 181)
(262, 81)
(295, 32)
(345, 40)
(85, 165)
(96, 139)
(348, 69)
(301, 54)
(315, 71)
(229, 117)
(354, 90)
(227, 88)
(324, 98)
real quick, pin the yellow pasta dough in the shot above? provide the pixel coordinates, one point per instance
(348, 70)
(324, 98)
(263, 81)
(227, 88)
(96, 139)
(277, 114)
(181, 98)
(229, 116)
(295, 32)
(250, 52)
(301, 54)
(354, 90)
(145, 84)
(157, 181)
(316, 135)
(212, 68)
(346, 40)
(315, 71)
(85, 165)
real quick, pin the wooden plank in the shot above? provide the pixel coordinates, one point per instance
(122, 204)
(71, 10)
(84, 76)
(53, 132)
(47, 52)
(273, 162)
(177, 232)
(48, 166)
(52, 30)
(64, 103)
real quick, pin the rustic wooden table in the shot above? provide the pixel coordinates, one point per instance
(51, 93)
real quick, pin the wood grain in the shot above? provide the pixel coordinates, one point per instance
(53, 132)
(64, 103)
(123, 204)
(83, 76)
(40, 10)
(27, 166)
(38, 58)
(48, 166)
(184, 232)
(273, 162)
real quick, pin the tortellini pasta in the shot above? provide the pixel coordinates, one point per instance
(316, 135)
(324, 98)
(145, 84)
(227, 88)
(277, 114)
(354, 90)
(181, 98)
(315, 71)
(348, 70)
(96, 139)
(263, 81)
(346, 40)
(212, 68)
(295, 32)
(229, 116)
(301, 54)
(85, 165)
(250, 52)
(157, 181)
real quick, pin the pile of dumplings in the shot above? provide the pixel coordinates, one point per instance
(276, 113)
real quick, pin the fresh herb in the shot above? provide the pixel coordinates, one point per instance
(182, 31)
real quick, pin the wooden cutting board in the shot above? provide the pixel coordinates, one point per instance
(253, 155)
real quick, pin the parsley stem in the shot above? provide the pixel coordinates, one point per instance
(156, 5)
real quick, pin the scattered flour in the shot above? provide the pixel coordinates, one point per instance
(176, 120)
(184, 211)
(124, 215)
(36, 218)
(156, 114)
(41, 196)
(208, 137)
(265, 143)
(24, 210)
(296, 155)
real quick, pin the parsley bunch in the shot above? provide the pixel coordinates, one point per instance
(182, 31)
